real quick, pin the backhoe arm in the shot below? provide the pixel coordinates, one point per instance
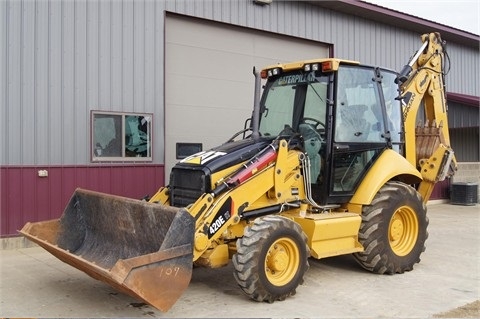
(422, 83)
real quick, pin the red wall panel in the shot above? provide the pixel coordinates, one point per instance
(441, 190)
(24, 196)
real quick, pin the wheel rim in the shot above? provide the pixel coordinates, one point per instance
(403, 230)
(282, 261)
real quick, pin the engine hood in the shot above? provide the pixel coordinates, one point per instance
(224, 156)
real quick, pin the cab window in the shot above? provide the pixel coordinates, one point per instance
(358, 112)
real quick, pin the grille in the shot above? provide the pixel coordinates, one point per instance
(186, 186)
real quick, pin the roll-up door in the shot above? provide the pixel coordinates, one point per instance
(209, 82)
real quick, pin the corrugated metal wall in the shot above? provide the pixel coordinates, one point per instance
(465, 143)
(64, 58)
(461, 116)
(60, 59)
(463, 122)
(464, 75)
(26, 197)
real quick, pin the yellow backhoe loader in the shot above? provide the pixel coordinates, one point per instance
(331, 162)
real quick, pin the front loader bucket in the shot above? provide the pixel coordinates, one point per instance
(140, 248)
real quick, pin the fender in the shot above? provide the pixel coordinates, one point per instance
(390, 164)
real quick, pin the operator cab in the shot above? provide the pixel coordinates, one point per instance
(345, 113)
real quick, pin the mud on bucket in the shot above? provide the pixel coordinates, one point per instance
(140, 248)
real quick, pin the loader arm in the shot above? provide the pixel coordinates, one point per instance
(422, 84)
(269, 179)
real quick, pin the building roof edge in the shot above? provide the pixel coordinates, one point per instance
(469, 100)
(399, 19)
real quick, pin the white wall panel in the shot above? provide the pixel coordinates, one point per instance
(67, 65)
(3, 81)
(139, 49)
(158, 87)
(464, 75)
(50, 75)
(82, 120)
(104, 54)
(128, 61)
(209, 80)
(116, 57)
(13, 121)
(92, 50)
(27, 78)
(150, 60)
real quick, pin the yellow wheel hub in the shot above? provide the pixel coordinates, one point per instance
(282, 261)
(403, 231)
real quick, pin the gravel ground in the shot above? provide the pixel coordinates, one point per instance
(471, 310)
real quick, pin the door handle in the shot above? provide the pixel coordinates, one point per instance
(341, 147)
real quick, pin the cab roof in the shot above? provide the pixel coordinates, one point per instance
(297, 65)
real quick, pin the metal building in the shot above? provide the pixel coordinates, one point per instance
(172, 76)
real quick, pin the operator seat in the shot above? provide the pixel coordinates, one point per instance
(312, 144)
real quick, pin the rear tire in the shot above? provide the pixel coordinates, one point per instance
(271, 259)
(393, 230)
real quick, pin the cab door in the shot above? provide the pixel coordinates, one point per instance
(359, 132)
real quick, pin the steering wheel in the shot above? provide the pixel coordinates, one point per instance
(315, 124)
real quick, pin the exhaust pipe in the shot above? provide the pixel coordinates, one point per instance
(256, 105)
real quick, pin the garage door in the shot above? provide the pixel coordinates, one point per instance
(209, 82)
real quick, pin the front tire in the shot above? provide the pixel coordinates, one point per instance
(271, 259)
(393, 230)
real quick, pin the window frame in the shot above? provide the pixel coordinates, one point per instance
(123, 157)
(301, 89)
(360, 112)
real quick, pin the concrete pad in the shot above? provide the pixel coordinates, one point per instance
(33, 283)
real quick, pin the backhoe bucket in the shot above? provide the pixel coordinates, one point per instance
(140, 248)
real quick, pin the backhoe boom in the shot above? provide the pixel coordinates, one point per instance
(422, 84)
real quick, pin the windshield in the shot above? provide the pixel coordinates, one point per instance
(291, 99)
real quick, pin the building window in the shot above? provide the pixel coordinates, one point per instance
(121, 136)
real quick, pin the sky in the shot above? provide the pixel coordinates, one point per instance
(459, 14)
